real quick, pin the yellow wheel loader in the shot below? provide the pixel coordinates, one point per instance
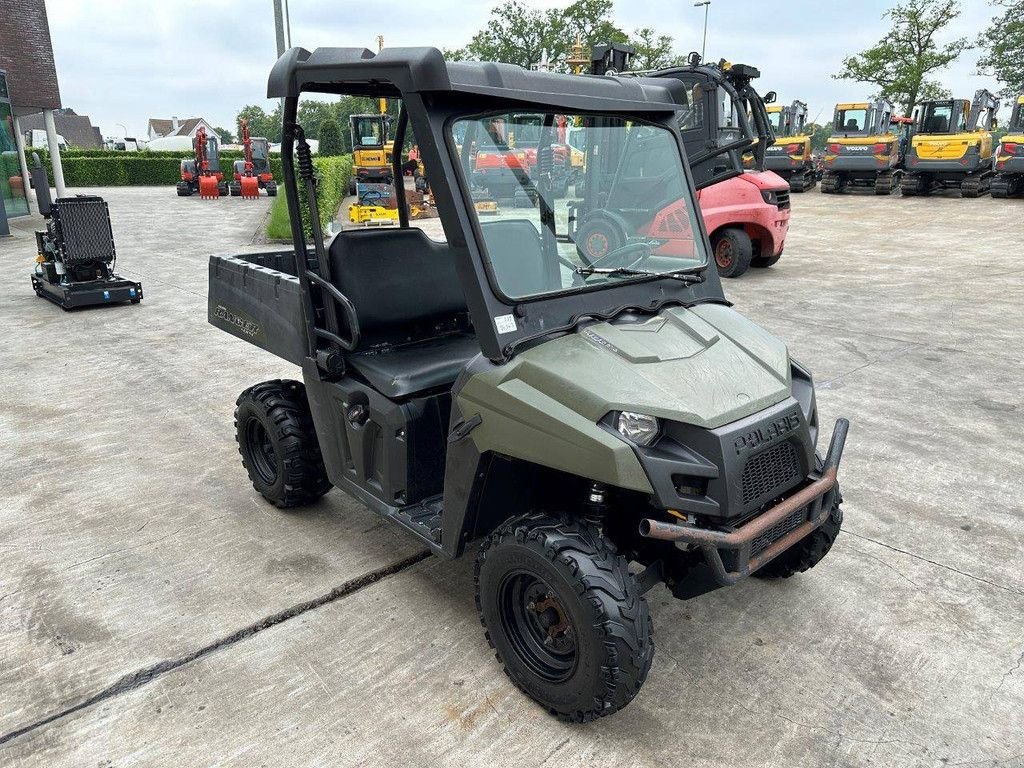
(1009, 178)
(952, 146)
(866, 149)
(790, 156)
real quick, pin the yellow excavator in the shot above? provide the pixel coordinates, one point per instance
(866, 149)
(1009, 178)
(790, 155)
(952, 146)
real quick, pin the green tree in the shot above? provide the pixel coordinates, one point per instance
(225, 136)
(900, 63)
(330, 138)
(311, 115)
(1003, 46)
(261, 123)
(819, 135)
(518, 34)
(653, 51)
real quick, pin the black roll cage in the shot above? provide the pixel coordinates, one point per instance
(433, 91)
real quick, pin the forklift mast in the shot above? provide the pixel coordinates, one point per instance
(983, 111)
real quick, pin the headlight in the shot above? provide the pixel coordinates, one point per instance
(638, 428)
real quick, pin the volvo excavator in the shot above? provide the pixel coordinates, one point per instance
(952, 146)
(867, 148)
(790, 156)
(1009, 178)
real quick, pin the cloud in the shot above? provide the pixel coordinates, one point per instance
(126, 62)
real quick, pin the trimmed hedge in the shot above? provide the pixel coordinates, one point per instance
(333, 174)
(103, 168)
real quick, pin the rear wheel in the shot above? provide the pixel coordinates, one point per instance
(278, 443)
(733, 251)
(597, 238)
(565, 617)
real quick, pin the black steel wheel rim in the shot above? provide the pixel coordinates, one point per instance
(261, 451)
(537, 626)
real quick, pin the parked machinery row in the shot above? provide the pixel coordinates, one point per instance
(202, 174)
(945, 144)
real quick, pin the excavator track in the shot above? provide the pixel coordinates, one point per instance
(831, 184)
(1007, 185)
(975, 185)
(885, 183)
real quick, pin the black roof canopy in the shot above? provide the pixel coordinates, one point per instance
(393, 71)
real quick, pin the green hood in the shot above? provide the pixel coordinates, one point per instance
(705, 366)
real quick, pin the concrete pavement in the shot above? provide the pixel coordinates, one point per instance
(154, 610)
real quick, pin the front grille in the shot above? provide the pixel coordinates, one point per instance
(772, 471)
(777, 531)
(782, 199)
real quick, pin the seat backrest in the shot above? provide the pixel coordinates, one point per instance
(396, 278)
(516, 256)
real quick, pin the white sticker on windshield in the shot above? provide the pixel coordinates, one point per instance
(505, 323)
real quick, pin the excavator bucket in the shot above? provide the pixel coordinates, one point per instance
(250, 186)
(208, 187)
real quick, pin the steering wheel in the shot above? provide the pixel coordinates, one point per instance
(620, 256)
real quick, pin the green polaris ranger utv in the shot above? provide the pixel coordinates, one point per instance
(588, 428)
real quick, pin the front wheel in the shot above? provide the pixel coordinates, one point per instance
(733, 252)
(565, 617)
(278, 443)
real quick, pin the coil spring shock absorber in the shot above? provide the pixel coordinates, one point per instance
(305, 156)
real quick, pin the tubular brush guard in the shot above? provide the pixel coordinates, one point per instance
(741, 540)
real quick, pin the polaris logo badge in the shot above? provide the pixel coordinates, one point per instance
(766, 433)
(248, 327)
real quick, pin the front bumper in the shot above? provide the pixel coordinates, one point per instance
(758, 542)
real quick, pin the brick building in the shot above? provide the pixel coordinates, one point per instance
(28, 84)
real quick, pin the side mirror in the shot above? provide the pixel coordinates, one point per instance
(693, 59)
(770, 97)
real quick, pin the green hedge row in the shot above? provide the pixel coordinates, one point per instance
(116, 169)
(333, 174)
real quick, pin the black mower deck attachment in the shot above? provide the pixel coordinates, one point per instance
(76, 258)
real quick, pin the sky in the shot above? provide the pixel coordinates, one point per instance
(122, 63)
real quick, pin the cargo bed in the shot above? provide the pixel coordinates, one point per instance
(256, 297)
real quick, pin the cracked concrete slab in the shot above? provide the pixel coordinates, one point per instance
(903, 648)
(867, 661)
(128, 530)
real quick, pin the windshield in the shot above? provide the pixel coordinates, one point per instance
(367, 131)
(729, 126)
(941, 117)
(1017, 118)
(548, 226)
(852, 121)
(776, 117)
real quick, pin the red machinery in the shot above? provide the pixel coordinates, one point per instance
(202, 173)
(253, 172)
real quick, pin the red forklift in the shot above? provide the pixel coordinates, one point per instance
(252, 173)
(202, 173)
